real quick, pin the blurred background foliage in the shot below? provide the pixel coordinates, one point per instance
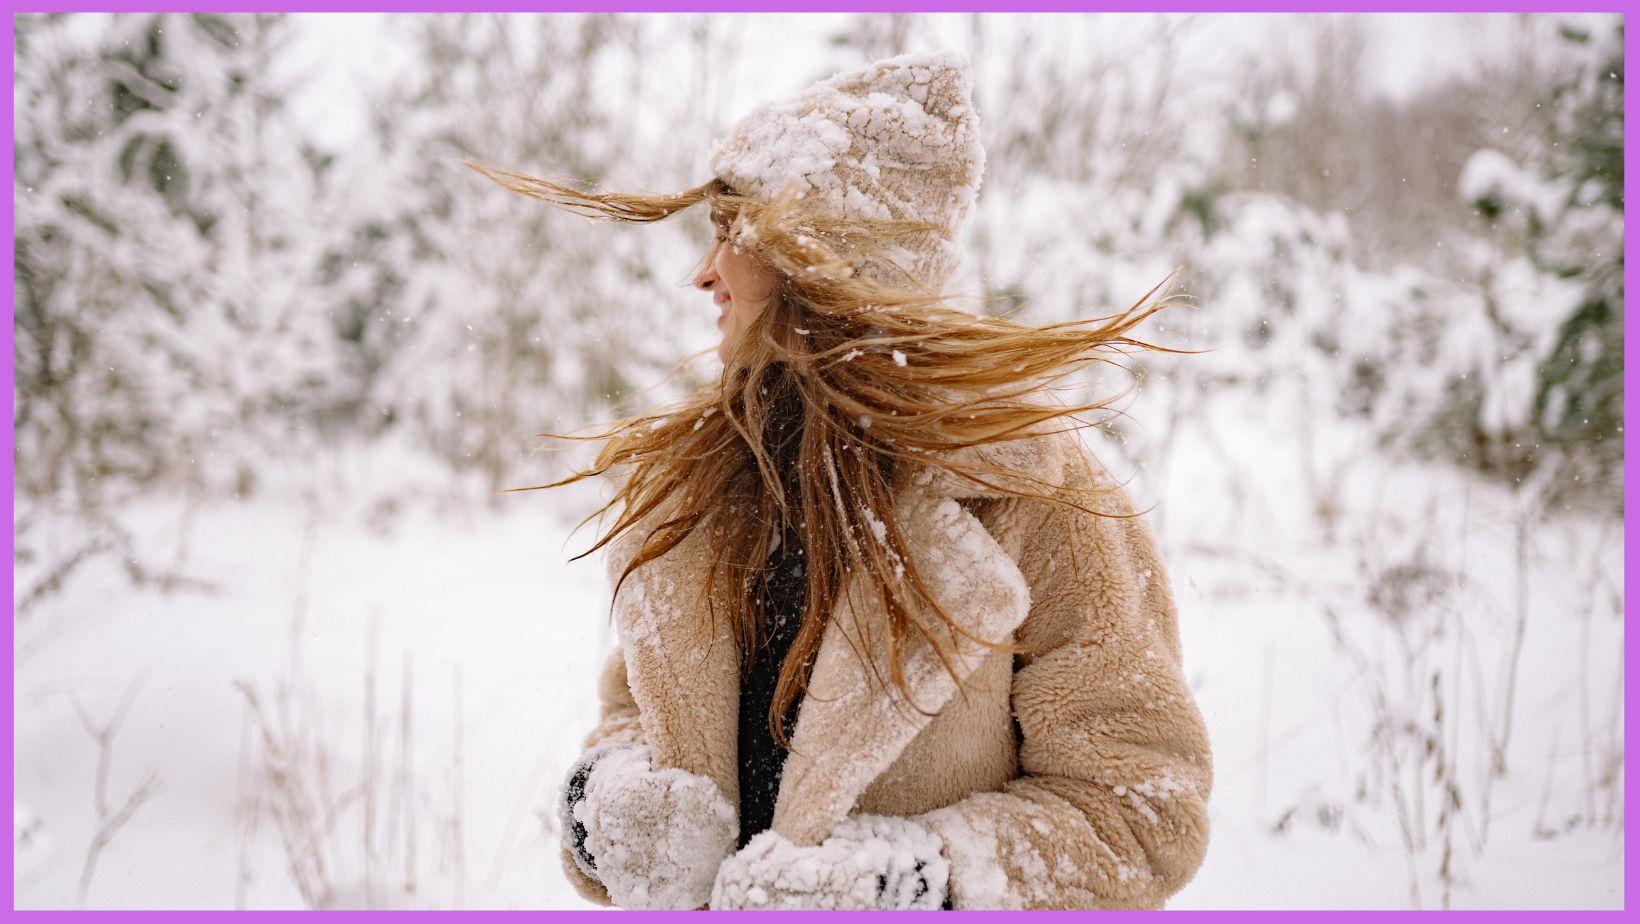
(276, 350)
(203, 285)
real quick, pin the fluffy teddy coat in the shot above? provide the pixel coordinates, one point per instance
(1075, 774)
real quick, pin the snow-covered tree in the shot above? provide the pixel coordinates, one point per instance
(168, 327)
(508, 317)
(1543, 388)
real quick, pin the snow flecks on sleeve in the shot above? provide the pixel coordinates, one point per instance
(651, 601)
(1161, 786)
(1138, 802)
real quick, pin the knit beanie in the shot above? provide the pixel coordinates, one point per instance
(897, 138)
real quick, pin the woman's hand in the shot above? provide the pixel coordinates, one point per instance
(871, 862)
(654, 838)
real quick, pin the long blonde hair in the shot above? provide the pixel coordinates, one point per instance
(827, 402)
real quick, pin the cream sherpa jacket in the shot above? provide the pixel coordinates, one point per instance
(1073, 775)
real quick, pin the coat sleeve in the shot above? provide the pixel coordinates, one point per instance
(617, 710)
(617, 723)
(1110, 808)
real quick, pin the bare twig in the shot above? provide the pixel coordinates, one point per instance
(110, 825)
(109, 821)
(458, 846)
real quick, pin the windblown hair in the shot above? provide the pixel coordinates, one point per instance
(828, 402)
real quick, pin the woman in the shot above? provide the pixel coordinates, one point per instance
(889, 636)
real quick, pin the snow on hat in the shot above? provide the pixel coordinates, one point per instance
(897, 138)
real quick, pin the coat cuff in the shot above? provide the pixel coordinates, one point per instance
(978, 880)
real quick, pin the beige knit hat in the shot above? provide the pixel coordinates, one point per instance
(897, 138)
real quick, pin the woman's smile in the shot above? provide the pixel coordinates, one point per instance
(724, 273)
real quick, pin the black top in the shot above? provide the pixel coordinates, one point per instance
(761, 757)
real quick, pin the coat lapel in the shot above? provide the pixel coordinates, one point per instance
(852, 726)
(853, 723)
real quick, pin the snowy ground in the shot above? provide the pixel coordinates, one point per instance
(1288, 644)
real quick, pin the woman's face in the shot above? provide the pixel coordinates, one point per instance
(741, 286)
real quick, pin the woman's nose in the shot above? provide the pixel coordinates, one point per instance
(707, 275)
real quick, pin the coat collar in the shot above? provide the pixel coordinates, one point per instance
(851, 726)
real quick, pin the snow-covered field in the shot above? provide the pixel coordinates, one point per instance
(1316, 659)
(359, 685)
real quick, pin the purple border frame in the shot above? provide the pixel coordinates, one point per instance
(7, 212)
(811, 6)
